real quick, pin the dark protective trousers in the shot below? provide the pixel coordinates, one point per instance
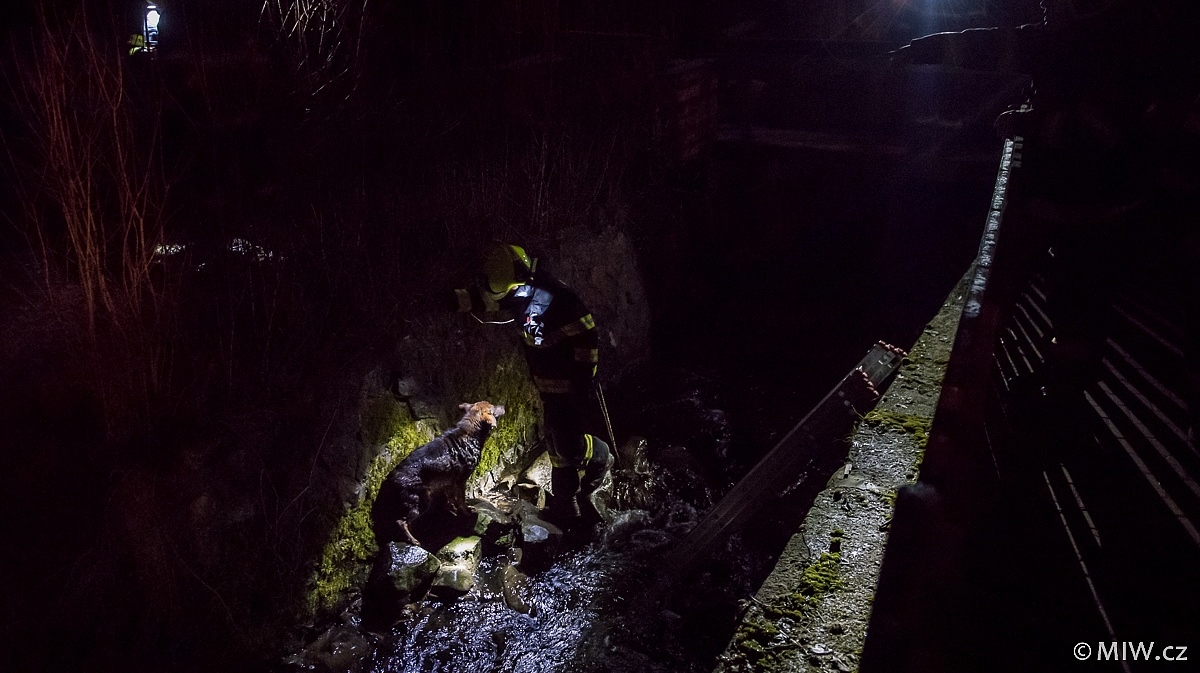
(580, 460)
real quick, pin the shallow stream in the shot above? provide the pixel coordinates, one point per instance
(590, 611)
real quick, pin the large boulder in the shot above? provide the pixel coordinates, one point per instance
(533, 483)
(514, 586)
(406, 571)
(540, 539)
(460, 561)
(600, 263)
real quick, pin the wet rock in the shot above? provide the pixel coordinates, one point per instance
(540, 541)
(533, 483)
(491, 524)
(536, 530)
(594, 507)
(408, 389)
(632, 456)
(405, 387)
(506, 580)
(514, 586)
(532, 494)
(407, 571)
(538, 472)
(340, 648)
(460, 560)
(523, 509)
(624, 525)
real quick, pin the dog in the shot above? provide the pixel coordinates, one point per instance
(435, 472)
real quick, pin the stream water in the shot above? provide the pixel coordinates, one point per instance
(591, 611)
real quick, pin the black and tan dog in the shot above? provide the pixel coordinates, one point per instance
(435, 472)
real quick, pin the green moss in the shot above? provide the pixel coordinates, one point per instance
(345, 559)
(752, 642)
(507, 383)
(383, 418)
(821, 576)
(757, 629)
(917, 426)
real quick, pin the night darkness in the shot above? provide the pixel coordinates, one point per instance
(208, 247)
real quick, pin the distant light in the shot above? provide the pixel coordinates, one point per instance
(150, 27)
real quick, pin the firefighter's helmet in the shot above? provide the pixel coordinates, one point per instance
(505, 268)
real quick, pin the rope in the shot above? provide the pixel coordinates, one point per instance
(612, 438)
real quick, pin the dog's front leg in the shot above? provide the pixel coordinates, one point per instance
(461, 505)
(407, 533)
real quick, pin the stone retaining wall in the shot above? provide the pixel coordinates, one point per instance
(811, 612)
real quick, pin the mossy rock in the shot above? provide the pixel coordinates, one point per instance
(917, 426)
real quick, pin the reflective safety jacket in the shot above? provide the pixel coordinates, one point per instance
(559, 333)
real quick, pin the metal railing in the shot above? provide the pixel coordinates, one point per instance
(924, 564)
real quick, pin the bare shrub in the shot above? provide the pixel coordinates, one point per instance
(92, 188)
(94, 177)
(324, 41)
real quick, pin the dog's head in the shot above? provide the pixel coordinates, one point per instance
(481, 414)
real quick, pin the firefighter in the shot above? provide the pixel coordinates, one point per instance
(561, 348)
